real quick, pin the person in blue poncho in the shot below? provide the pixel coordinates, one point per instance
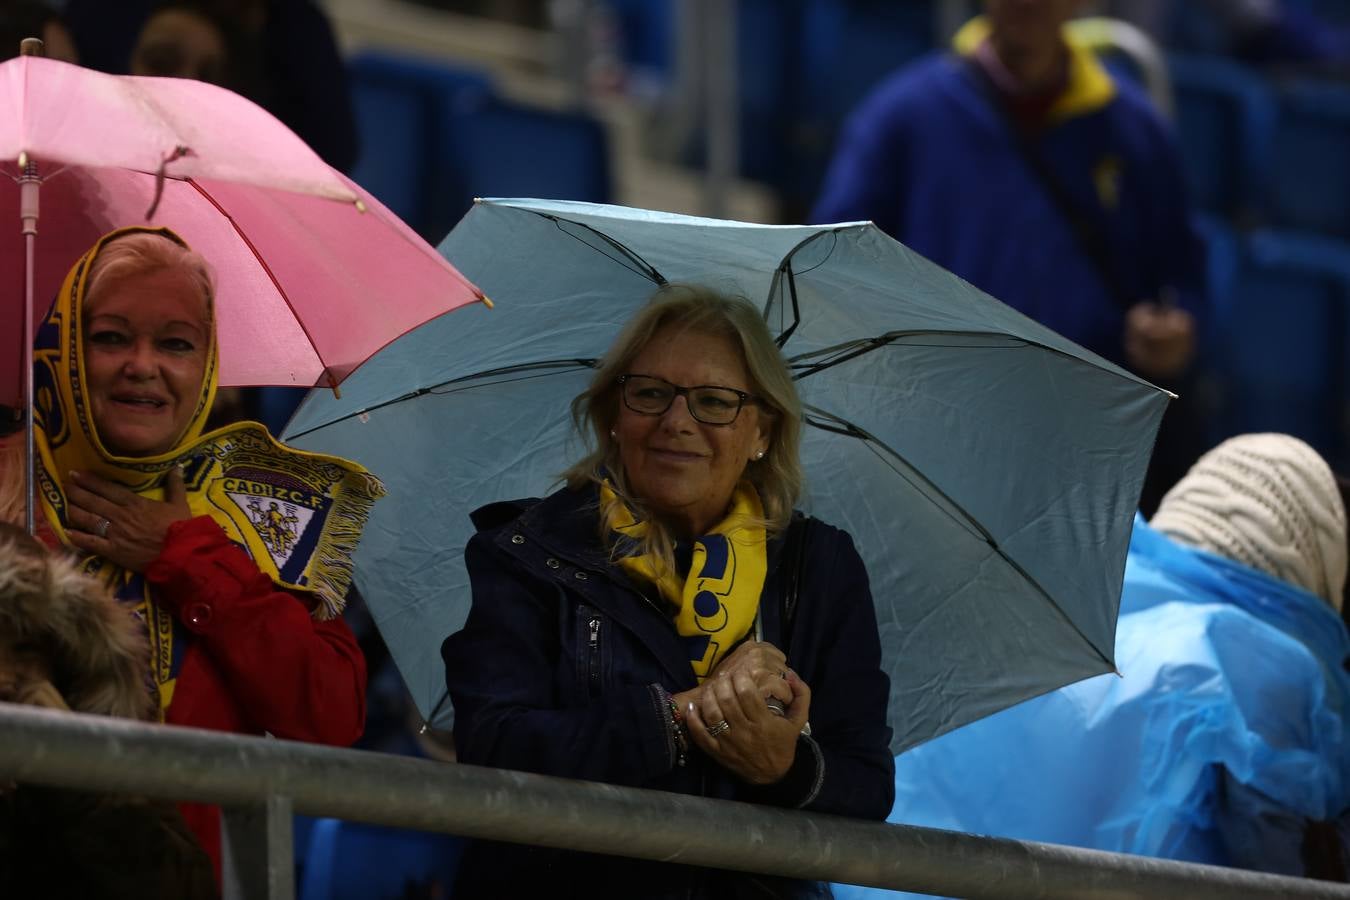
(1020, 164)
(1226, 737)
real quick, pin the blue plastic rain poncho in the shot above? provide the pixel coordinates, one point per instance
(1227, 732)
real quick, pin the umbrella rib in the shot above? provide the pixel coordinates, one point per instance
(867, 345)
(785, 268)
(537, 367)
(650, 273)
(876, 445)
(863, 346)
(435, 711)
(267, 269)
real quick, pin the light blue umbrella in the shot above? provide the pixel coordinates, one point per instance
(987, 468)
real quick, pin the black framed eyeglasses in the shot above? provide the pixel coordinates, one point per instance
(710, 404)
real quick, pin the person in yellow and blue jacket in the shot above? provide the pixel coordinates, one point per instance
(1020, 164)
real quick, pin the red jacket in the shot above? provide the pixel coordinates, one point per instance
(260, 662)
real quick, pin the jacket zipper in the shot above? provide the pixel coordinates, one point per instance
(594, 657)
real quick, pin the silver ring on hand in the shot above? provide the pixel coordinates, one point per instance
(776, 706)
(718, 728)
(101, 529)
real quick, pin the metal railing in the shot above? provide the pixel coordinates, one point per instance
(259, 782)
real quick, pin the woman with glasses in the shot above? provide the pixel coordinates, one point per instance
(665, 620)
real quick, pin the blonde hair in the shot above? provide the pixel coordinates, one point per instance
(143, 252)
(777, 477)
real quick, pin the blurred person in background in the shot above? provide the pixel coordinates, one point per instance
(21, 19)
(1226, 737)
(282, 54)
(1020, 164)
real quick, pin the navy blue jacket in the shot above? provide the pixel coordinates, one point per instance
(930, 158)
(560, 670)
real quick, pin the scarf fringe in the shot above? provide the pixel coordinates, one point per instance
(331, 570)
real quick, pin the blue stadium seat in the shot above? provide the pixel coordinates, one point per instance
(1223, 256)
(848, 48)
(1282, 333)
(1209, 395)
(802, 66)
(646, 35)
(399, 105)
(355, 861)
(1194, 28)
(1225, 120)
(1309, 181)
(301, 827)
(497, 148)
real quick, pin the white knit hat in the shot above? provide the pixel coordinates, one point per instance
(1266, 500)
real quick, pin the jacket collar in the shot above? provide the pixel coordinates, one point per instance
(1089, 87)
(557, 537)
(564, 522)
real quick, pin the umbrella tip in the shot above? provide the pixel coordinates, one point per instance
(31, 46)
(360, 205)
(486, 301)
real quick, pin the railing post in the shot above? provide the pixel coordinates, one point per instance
(257, 856)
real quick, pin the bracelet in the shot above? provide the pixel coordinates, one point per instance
(679, 731)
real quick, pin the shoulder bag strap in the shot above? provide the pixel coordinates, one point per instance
(1087, 234)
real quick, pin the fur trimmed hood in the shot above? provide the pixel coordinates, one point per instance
(65, 642)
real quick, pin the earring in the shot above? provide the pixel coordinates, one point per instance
(612, 435)
(759, 455)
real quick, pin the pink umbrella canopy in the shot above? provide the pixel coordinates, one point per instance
(313, 274)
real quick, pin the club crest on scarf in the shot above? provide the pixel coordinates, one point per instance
(718, 600)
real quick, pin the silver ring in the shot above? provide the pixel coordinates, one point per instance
(718, 728)
(101, 529)
(776, 706)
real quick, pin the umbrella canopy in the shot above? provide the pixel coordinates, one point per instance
(987, 468)
(313, 274)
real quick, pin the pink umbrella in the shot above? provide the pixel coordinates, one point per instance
(314, 274)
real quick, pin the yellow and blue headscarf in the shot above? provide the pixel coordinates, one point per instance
(298, 515)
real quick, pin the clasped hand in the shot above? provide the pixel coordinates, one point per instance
(110, 521)
(731, 716)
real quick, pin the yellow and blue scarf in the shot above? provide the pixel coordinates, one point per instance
(718, 600)
(298, 515)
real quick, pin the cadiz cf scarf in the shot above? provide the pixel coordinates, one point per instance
(718, 600)
(298, 515)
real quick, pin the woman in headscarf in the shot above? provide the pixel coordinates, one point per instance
(666, 620)
(233, 550)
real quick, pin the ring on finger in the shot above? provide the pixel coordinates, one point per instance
(101, 529)
(719, 728)
(776, 706)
